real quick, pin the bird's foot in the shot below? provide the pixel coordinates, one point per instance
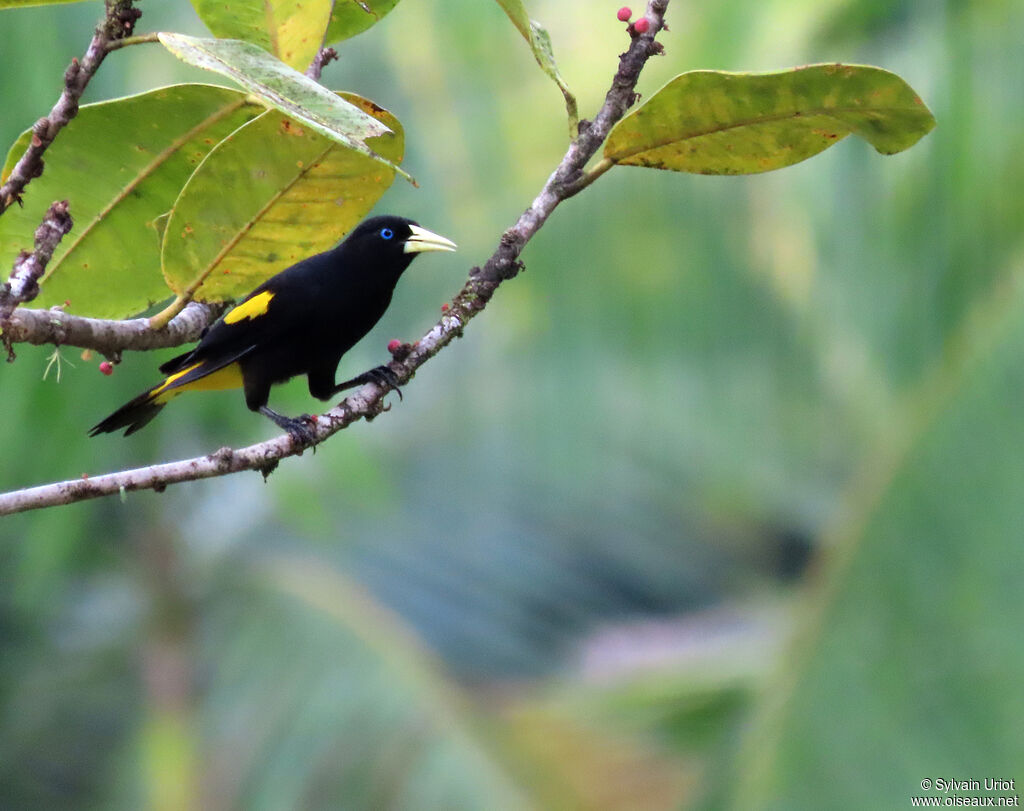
(381, 375)
(301, 429)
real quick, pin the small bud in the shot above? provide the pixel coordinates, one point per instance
(624, 14)
(444, 307)
(107, 367)
(642, 25)
(393, 345)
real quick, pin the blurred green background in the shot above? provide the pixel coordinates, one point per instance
(719, 505)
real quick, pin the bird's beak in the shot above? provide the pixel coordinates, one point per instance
(423, 240)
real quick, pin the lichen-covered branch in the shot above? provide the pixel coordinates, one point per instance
(118, 23)
(109, 338)
(368, 401)
(28, 267)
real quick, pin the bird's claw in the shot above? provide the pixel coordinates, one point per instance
(302, 429)
(383, 375)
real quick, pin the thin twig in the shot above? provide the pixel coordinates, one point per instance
(323, 58)
(368, 401)
(118, 23)
(140, 39)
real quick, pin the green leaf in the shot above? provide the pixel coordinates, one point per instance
(120, 163)
(719, 123)
(351, 17)
(237, 222)
(540, 43)
(284, 88)
(26, 3)
(911, 664)
(292, 30)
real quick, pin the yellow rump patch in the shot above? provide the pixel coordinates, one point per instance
(253, 308)
(228, 377)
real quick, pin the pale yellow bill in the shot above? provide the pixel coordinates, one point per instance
(423, 240)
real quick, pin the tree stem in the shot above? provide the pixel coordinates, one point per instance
(589, 177)
(136, 40)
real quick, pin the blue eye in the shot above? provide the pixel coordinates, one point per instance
(386, 233)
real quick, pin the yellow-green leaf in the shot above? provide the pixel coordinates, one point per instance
(713, 122)
(239, 221)
(351, 17)
(121, 164)
(284, 88)
(292, 30)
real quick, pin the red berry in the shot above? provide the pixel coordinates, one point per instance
(107, 367)
(624, 14)
(641, 25)
(444, 307)
(393, 345)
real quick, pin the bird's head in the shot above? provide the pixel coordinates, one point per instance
(394, 240)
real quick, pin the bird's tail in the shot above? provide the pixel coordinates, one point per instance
(203, 375)
(133, 415)
(137, 413)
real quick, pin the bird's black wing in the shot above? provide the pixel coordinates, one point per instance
(279, 306)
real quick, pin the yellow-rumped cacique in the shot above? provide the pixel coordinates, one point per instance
(298, 322)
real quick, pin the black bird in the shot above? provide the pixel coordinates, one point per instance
(299, 322)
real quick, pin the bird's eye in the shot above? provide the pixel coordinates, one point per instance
(386, 233)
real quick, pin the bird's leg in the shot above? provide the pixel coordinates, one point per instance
(299, 428)
(381, 375)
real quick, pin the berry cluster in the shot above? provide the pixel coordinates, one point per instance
(641, 26)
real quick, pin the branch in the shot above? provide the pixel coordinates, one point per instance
(110, 338)
(28, 267)
(118, 23)
(368, 402)
(323, 58)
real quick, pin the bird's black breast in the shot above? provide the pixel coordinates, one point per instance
(320, 309)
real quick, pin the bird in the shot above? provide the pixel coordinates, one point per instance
(300, 321)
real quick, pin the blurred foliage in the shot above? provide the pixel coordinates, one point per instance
(539, 40)
(695, 380)
(933, 544)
